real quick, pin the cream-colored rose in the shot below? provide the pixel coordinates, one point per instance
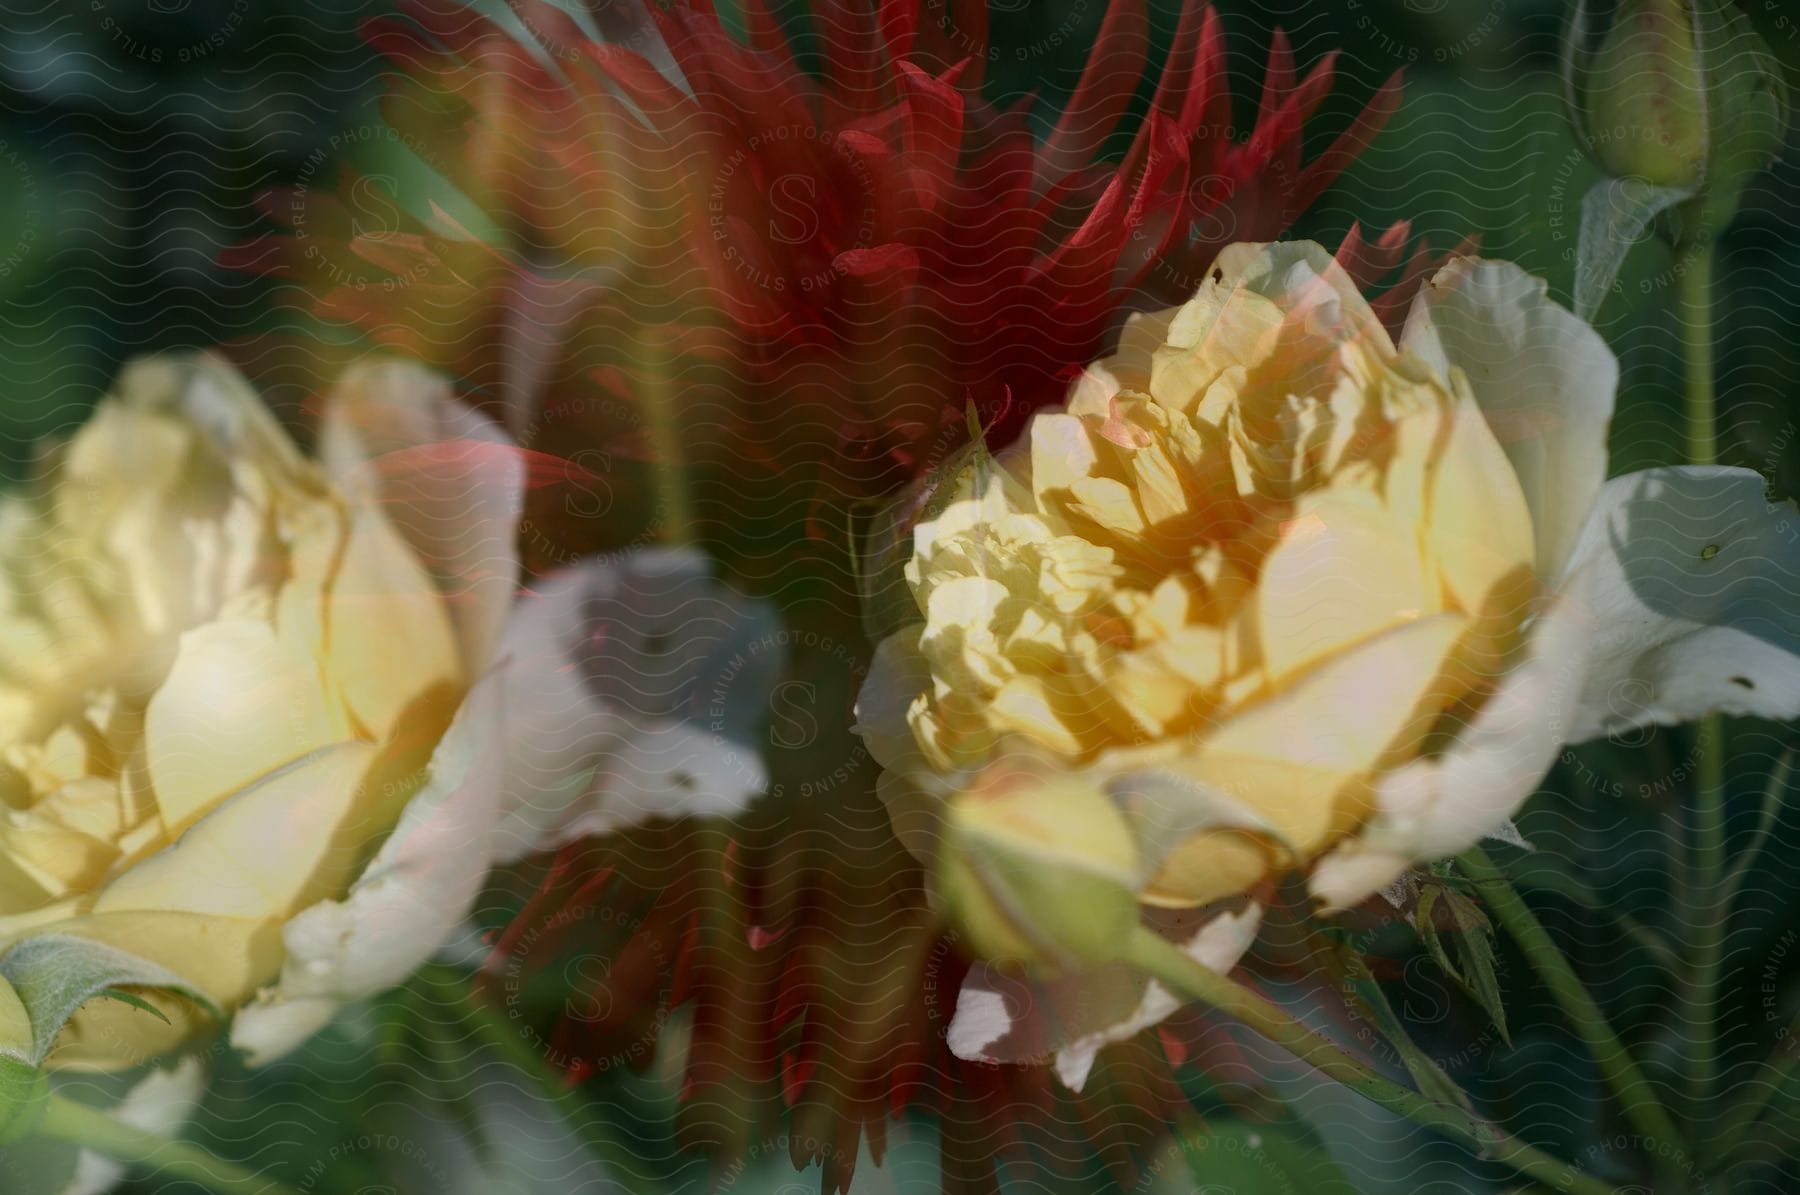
(1297, 597)
(265, 720)
(208, 651)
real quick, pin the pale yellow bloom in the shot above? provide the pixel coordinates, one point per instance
(1296, 597)
(267, 719)
(220, 677)
(1260, 550)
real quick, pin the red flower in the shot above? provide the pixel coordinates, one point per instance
(844, 260)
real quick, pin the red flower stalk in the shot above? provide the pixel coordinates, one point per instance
(846, 259)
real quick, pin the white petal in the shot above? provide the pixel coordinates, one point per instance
(417, 890)
(449, 480)
(1218, 946)
(1002, 1018)
(898, 673)
(982, 1018)
(1434, 807)
(1691, 580)
(648, 682)
(1544, 379)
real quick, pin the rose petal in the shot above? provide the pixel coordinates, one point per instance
(1298, 759)
(222, 957)
(1002, 1018)
(388, 633)
(239, 702)
(1544, 379)
(1344, 571)
(263, 849)
(417, 889)
(1689, 578)
(648, 678)
(1435, 807)
(451, 482)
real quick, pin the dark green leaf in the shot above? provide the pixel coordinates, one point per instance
(1372, 1003)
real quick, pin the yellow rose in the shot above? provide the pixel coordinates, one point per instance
(266, 720)
(221, 678)
(1296, 597)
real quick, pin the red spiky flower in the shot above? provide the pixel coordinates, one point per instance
(838, 260)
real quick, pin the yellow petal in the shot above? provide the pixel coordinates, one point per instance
(238, 703)
(390, 637)
(1062, 453)
(264, 850)
(1344, 570)
(1109, 503)
(55, 858)
(22, 889)
(223, 957)
(1480, 528)
(1152, 694)
(1195, 653)
(1290, 756)
(1206, 867)
(90, 805)
(1025, 706)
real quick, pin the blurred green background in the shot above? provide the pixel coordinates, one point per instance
(135, 136)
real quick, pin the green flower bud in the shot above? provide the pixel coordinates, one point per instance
(1680, 94)
(1646, 112)
(1039, 869)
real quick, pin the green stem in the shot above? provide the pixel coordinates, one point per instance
(1696, 318)
(78, 1124)
(1160, 958)
(1619, 1069)
(668, 460)
(1774, 795)
(1706, 948)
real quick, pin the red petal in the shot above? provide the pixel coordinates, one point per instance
(1114, 69)
(1324, 170)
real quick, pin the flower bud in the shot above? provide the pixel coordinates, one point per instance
(1646, 109)
(1680, 94)
(1039, 869)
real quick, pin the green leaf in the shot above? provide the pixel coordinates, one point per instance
(1475, 950)
(1372, 1004)
(1235, 1156)
(24, 1094)
(1473, 943)
(137, 1002)
(55, 974)
(1614, 214)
